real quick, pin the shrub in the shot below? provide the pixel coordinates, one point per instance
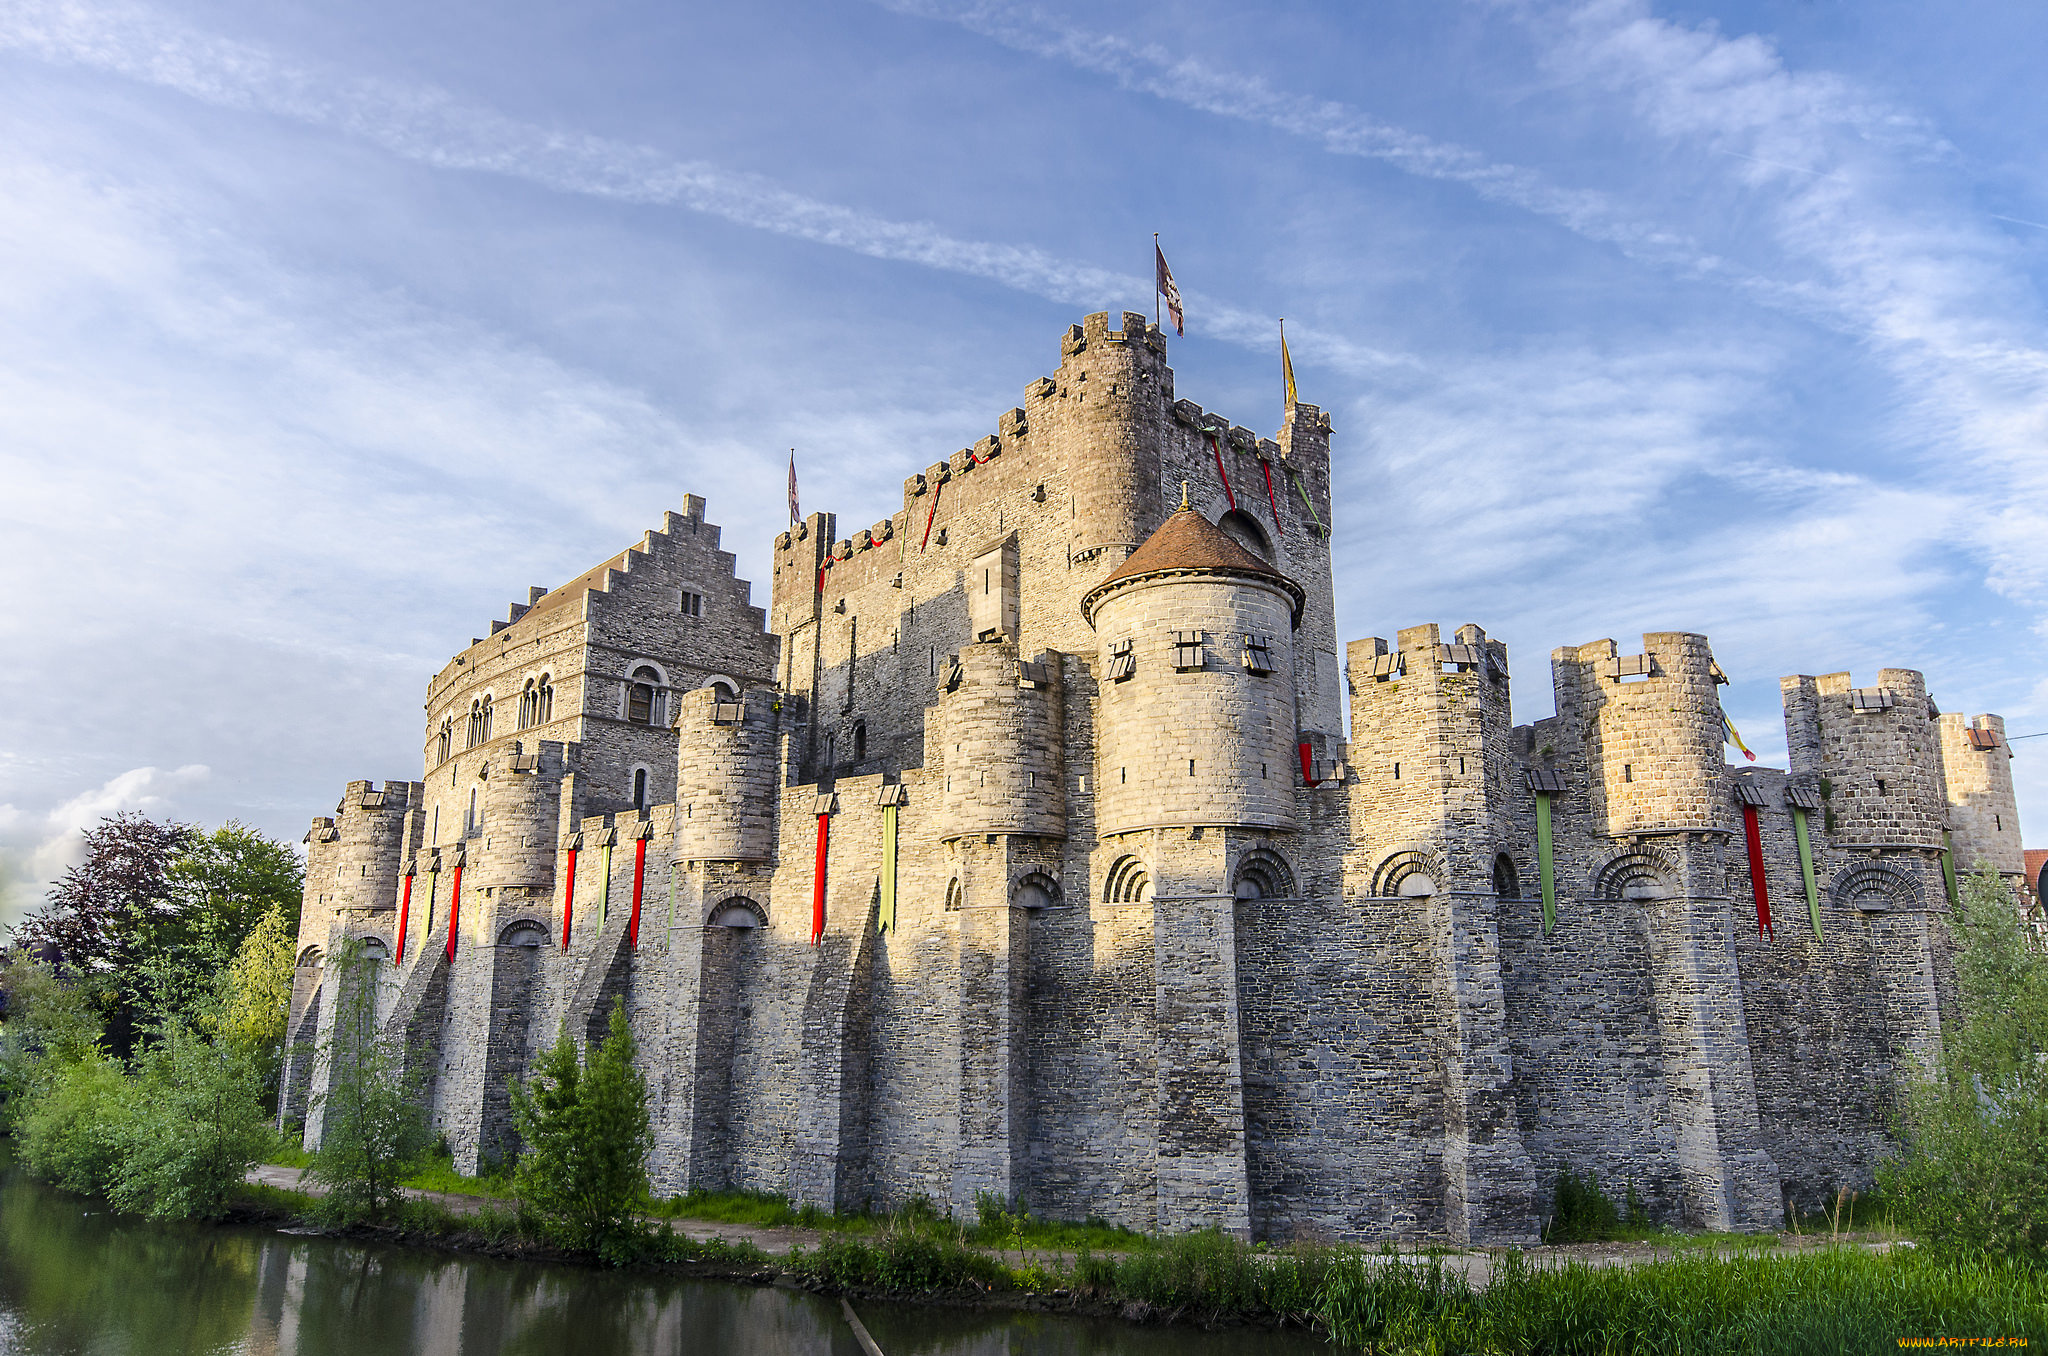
(583, 1170)
(74, 1129)
(1580, 1212)
(373, 1129)
(194, 1126)
(902, 1259)
(1973, 1129)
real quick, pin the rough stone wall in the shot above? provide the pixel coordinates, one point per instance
(1232, 999)
(1983, 814)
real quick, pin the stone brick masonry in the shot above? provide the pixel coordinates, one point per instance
(1158, 943)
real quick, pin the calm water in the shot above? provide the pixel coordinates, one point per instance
(75, 1279)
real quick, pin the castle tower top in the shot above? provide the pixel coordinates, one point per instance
(1189, 544)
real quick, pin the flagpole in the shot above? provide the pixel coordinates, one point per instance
(1155, 280)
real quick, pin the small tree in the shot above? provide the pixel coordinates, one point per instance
(373, 1127)
(49, 1024)
(256, 995)
(1973, 1130)
(587, 1135)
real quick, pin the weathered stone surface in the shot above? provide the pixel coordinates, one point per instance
(1166, 947)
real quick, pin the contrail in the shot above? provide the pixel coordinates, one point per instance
(433, 127)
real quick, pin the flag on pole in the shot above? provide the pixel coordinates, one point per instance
(1287, 366)
(1735, 738)
(1162, 285)
(794, 516)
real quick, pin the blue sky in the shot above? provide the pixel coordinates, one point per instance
(326, 330)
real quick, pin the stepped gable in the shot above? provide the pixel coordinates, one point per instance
(1188, 543)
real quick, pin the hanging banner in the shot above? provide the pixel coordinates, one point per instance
(569, 899)
(604, 900)
(1756, 871)
(454, 911)
(1806, 870)
(1271, 502)
(672, 906)
(1545, 868)
(639, 878)
(818, 880)
(1308, 776)
(1948, 868)
(887, 916)
(404, 910)
(1222, 474)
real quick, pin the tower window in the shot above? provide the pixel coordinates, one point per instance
(472, 820)
(1628, 772)
(1880, 787)
(640, 788)
(646, 697)
(1258, 654)
(1187, 650)
(693, 604)
(860, 740)
(544, 700)
(1191, 767)
(444, 743)
(529, 703)
(1122, 663)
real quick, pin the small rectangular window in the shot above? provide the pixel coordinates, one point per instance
(1258, 654)
(693, 604)
(1187, 650)
(1122, 663)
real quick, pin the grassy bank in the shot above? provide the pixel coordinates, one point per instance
(1761, 1302)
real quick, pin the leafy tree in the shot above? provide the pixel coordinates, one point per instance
(155, 912)
(49, 1023)
(1973, 1171)
(256, 995)
(73, 1129)
(195, 1125)
(587, 1135)
(373, 1129)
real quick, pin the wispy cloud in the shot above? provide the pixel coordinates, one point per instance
(433, 127)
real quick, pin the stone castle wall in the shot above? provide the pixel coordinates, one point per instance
(1159, 944)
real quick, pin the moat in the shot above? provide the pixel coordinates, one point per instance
(75, 1277)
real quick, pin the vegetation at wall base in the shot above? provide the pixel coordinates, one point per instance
(1972, 1174)
(373, 1122)
(586, 1136)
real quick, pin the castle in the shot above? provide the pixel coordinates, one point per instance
(1018, 849)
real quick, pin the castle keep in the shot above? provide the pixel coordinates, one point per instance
(1019, 848)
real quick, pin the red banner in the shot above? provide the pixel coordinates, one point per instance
(1217, 448)
(454, 912)
(818, 881)
(639, 876)
(569, 899)
(1756, 871)
(1308, 776)
(404, 911)
(1271, 502)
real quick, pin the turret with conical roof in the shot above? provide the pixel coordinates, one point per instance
(1197, 717)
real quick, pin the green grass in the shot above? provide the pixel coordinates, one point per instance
(439, 1174)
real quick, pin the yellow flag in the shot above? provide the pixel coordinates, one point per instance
(1287, 366)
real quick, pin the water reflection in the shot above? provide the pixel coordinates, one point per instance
(76, 1279)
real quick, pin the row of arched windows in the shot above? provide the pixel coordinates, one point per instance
(537, 702)
(479, 721)
(647, 703)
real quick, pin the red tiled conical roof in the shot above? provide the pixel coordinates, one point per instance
(1188, 543)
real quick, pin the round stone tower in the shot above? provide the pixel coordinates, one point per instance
(1196, 722)
(725, 776)
(1653, 732)
(1001, 726)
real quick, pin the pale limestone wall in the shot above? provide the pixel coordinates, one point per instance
(1213, 745)
(1983, 814)
(1284, 1010)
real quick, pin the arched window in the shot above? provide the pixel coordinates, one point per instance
(472, 819)
(639, 788)
(954, 897)
(1036, 891)
(724, 691)
(529, 703)
(860, 741)
(444, 743)
(1262, 874)
(646, 698)
(1506, 884)
(1638, 874)
(487, 715)
(544, 700)
(1244, 529)
(1128, 882)
(1408, 875)
(374, 949)
(524, 934)
(739, 912)
(475, 735)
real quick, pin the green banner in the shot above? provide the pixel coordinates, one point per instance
(1806, 870)
(887, 915)
(1948, 867)
(1545, 868)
